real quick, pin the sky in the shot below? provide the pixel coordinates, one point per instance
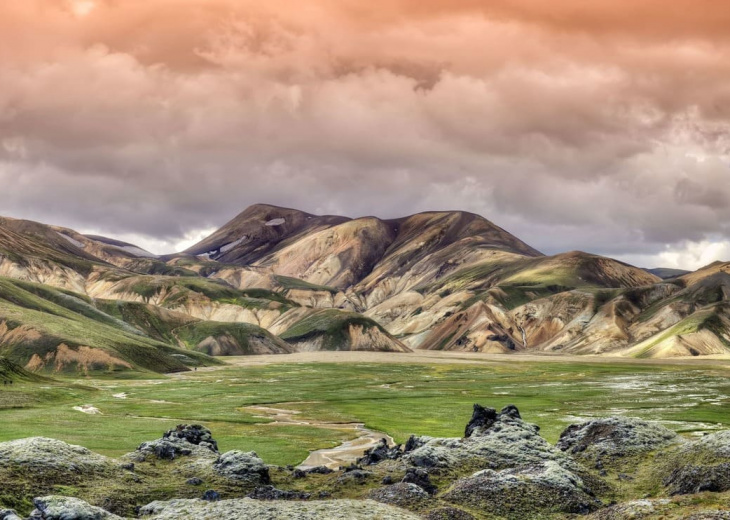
(600, 126)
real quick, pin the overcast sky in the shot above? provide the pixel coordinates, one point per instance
(600, 126)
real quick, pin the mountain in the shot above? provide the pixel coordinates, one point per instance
(278, 280)
(666, 273)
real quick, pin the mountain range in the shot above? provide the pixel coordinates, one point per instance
(276, 280)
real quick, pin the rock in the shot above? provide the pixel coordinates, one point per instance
(615, 437)
(9, 514)
(195, 481)
(185, 441)
(701, 465)
(414, 442)
(421, 479)
(505, 442)
(403, 494)
(129, 466)
(65, 508)
(379, 453)
(482, 418)
(319, 470)
(690, 479)
(387, 480)
(635, 510)
(194, 434)
(271, 493)
(710, 515)
(355, 475)
(448, 513)
(41, 456)
(248, 508)
(523, 493)
(211, 496)
(240, 466)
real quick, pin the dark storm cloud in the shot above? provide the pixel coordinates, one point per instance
(603, 128)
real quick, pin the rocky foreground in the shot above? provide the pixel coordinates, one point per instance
(605, 469)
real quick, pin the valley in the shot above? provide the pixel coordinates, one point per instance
(396, 397)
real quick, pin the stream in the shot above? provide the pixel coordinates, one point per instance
(345, 454)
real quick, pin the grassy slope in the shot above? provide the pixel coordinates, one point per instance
(57, 317)
(242, 336)
(332, 324)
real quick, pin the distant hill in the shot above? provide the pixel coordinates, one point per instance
(277, 280)
(665, 273)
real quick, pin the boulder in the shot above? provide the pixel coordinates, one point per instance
(194, 434)
(248, 508)
(42, 456)
(9, 514)
(635, 510)
(615, 437)
(545, 488)
(504, 442)
(65, 508)
(382, 451)
(271, 493)
(243, 467)
(421, 479)
(701, 465)
(448, 513)
(403, 494)
(183, 441)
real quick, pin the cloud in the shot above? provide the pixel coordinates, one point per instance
(603, 128)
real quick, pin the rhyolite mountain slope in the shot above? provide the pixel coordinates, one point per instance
(278, 280)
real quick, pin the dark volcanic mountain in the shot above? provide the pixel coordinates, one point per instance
(276, 280)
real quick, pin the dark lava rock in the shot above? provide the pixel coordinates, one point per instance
(379, 453)
(448, 513)
(188, 441)
(211, 496)
(387, 480)
(615, 437)
(482, 418)
(320, 470)
(403, 494)
(298, 473)
(194, 434)
(355, 475)
(414, 442)
(525, 492)
(271, 493)
(421, 479)
(195, 481)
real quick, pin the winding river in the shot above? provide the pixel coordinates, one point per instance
(343, 455)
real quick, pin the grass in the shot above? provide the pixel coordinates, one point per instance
(400, 399)
(55, 317)
(333, 324)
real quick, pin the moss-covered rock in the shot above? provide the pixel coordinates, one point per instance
(42, 457)
(615, 437)
(247, 508)
(65, 508)
(524, 493)
(701, 465)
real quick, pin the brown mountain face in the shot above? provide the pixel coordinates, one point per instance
(257, 231)
(277, 280)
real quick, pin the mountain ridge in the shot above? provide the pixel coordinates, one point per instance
(279, 280)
